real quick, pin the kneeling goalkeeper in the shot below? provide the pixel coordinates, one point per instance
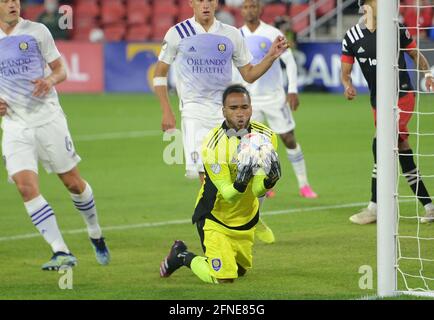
(227, 208)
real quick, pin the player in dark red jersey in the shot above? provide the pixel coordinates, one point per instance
(360, 44)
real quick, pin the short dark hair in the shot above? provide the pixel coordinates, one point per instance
(235, 88)
(361, 3)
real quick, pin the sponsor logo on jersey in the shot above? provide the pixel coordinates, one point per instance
(222, 48)
(216, 264)
(192, 49)
(24, 46)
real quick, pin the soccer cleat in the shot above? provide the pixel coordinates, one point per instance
(264, 233)
(429, 217)
(365, 216)
(307, 192)
(270, 194)
(59, 260)
(102, 253)
(174, 260)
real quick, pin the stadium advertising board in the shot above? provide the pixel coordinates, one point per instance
(319, 68)
(84, 64)
(129, 67)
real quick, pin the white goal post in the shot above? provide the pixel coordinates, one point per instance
(387, 50)
(405, 248)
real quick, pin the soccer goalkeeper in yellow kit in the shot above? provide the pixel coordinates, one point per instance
(227, 208)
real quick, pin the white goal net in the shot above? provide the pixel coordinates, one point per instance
(415, 240)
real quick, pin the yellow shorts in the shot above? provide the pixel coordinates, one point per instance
(225, 248)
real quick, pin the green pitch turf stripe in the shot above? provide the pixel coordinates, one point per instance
(188, 221)
(118, 135)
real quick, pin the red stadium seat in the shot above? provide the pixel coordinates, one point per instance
(114, 32)
(161, 10)
(185, 12)
(299, 23)
(159, 31)
(32, 12)
(272, 11)
(87, 8)
(325, 7)
(112, 12)
(137, 17)
(425, 18)
(138, 33)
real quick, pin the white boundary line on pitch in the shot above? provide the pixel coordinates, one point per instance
(118, 135)
(185, 221)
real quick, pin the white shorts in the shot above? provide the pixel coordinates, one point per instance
(275, 111)
(50, 143)
(194, 131)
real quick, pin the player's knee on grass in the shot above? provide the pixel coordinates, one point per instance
(225, 280)
(241, 271)
(289, 139)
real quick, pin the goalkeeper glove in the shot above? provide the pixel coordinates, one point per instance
(244, 173)
(272, 170)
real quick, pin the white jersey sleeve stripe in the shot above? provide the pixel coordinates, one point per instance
(350, 36)
(354, 32)
(359, 31)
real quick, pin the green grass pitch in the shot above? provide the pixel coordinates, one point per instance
(145, 205)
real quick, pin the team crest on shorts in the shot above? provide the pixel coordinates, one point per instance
(68, 144)
(24, 46)
(216, 264)
(222, 47)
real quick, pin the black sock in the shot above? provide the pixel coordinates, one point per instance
(411, 173)
(374, 173)
(188, 257)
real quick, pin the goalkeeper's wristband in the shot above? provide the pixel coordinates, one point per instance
(240, 187)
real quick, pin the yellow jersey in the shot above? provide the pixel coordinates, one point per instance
(218, 200)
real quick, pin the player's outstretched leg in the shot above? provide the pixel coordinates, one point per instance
(262, 231)
(369, 214)
(296, 157)
(179, 256)
(60, 260)
(411, 173)
(84, 202)
(44, 219)
(174, 260)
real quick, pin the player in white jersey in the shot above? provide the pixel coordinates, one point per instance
(35, 129)
(203, 50)
(269, 100)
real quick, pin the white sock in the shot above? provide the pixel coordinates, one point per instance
(86, 205)
(372, 206)
(296, 157)
(42, 216)
(429, 207)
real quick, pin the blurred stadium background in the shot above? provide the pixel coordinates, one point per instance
(145, 204)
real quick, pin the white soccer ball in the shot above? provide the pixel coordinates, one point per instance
(254, 147)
